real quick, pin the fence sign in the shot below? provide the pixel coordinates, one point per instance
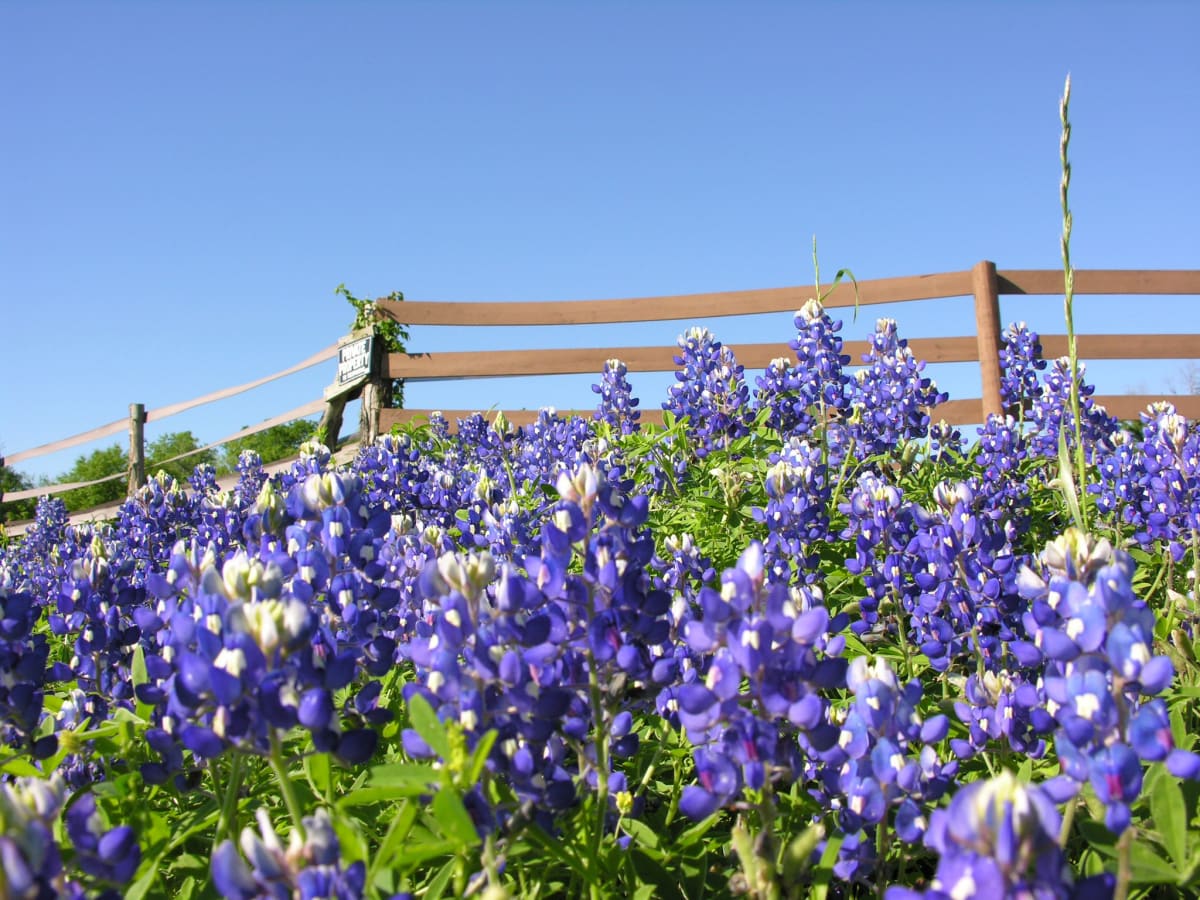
(355, 360)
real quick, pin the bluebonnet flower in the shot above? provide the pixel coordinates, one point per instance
(24, 672)
(618, 406)
(550, 446)
(1164, 481)
(797, 511)
(30, 858)
(815, 391)
(882, 525)
(1095, 639)
(710, 391)
(1020, 362)
(1002, 705)
(515, 651)
(884, 759)
(946, 443)
(964, 566)
(1051, 413)
(765, 655)
(1003, 483)
(112, 855)
(999, 839)
(890, 401)
(308, 868)
(778, 390)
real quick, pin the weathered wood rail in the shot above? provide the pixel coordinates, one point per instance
(983, 285)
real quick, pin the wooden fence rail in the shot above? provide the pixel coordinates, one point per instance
(134, 424)
(982, 284)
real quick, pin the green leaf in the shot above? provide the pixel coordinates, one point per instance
(141, 887)
(797, 857)
(1066, 481)
(317, 768)
(1150, 868)
(453, 819)
(397, 833)
(696, 832)
(416, 853)
(438, 885)
(824, 874)
(19, 765)
(349, 831)
(1025, 772)
(480, 757)
(403, 775)
(137, 669)
(426, 723)
(646, 836)
(155, 864)
(1170, 817)
(650, 871)
(382, 793)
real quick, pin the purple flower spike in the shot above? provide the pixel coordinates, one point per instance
(997, 839)
(113, 855)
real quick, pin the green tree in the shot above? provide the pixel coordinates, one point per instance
(97, 464)
(278, 442)
(11, 480)
(172, 445)
(114, 460)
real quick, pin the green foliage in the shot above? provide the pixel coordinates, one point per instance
(279, 442)
(97, 464)
(392, 335)
(11, 481)
(165, 448)
(114, 460)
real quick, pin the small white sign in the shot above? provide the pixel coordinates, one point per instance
(354, 362)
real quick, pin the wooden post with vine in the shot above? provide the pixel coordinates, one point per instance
(368, 377)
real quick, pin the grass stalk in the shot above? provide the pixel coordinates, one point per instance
(1069, 292)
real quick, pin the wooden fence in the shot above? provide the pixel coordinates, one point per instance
(134, 425)
(982, 285)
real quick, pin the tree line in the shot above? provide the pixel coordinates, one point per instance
(275, 443)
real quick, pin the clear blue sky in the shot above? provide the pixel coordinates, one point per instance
(184, 185)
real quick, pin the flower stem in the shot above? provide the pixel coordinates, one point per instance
(1124, 864)
(286, 787)
(1068, 822)
(228, 827)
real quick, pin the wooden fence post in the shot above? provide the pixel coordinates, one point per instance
(987, 333)
(331, 421)
(137, 447)
(376, 395)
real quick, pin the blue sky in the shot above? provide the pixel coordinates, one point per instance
(184, 185)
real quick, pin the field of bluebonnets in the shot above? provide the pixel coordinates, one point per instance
(803, 640)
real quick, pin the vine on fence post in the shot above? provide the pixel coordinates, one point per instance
(391, 337)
